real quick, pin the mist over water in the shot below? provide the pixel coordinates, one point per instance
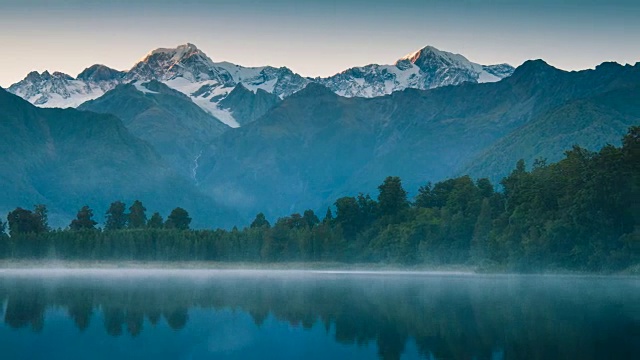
(195, 314)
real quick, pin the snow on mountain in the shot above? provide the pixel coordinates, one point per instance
(426, 68)
(185, 61)
(190, 71)
(61, 90)
(373, 80)
(142, 87)
(279, 81)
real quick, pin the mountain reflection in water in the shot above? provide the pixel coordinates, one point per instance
(445, 317)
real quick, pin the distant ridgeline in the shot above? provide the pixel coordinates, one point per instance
(582, 213)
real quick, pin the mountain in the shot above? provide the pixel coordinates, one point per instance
(66, 158)
(300, 144)
(190, 71)
(167, 119)
(316, 146)
(246, 106)
(62, 91)
(190, 64)
(184, 68)
(426, 68)
(590, 123)
(100, 74)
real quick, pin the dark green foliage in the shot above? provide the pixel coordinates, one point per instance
(481, 230)
(369, 209)
(4, 245)
(348, 216)
(22, 221)
(178, 219)
(424, 198)
(116, 217)
(156, 221)
(631, 152)
(328, 217)
(310, 219)
(41, 214)
(260, 221)
(578, 214)
(294, 221)
(137, 216)
(485, 187)
(392, 198)
(84, 220)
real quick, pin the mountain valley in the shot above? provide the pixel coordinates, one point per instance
(232, 141)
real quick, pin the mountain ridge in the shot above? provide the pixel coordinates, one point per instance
(312, 146)
(190, 71)
(317, 146)
(167, 119)
(67, 158)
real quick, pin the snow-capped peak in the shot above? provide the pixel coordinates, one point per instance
(61, 90)
(425, 68)
(35, 76)
(413, 56)
(190, 71)
(185, 61)
(429, 57)
(177, 54)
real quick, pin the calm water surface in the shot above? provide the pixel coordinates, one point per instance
(120, 314)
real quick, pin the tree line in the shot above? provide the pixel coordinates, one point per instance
(582, 213)
(22, 221)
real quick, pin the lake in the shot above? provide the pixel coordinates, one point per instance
(229, 314)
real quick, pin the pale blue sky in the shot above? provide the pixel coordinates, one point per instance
(313, 38)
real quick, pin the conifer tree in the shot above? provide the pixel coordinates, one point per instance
(260, 221)
(137, 215)
(178, 219)
(40, 213)
(116, 217)
(392, 198)
(156, 221)
(328, 217)
(310, 218)
(481, 231)
(84, 220)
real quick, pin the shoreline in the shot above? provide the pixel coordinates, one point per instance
(230, 266)
(168, 268)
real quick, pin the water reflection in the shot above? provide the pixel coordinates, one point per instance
(453, 317)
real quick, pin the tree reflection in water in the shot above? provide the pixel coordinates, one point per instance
(447, 317)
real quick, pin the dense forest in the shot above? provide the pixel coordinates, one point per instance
(582, 213)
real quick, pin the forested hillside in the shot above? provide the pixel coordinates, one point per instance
(581, 213)
(315, 146)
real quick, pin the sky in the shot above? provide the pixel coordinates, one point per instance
(314, 37)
